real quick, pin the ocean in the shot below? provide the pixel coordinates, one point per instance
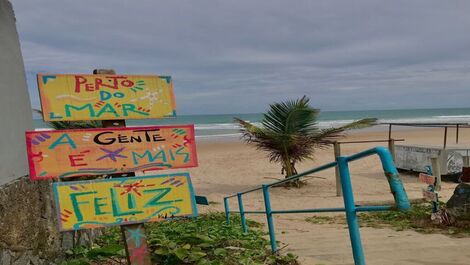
(222, 125)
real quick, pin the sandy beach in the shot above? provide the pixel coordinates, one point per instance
(227, 166)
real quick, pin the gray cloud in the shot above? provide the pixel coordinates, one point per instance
(239, 56)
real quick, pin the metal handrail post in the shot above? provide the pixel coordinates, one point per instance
(351, 217)
(391, 172)
(242, 213)
(269, 217)
(227, 210)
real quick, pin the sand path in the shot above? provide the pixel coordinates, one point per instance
(227, 167)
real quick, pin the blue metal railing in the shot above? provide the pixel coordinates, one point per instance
(350, 208)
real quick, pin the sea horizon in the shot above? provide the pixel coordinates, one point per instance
(220, 125)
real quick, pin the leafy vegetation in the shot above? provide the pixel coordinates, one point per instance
(63, 125)
(290, 133)
(417, 219)
(203, 240)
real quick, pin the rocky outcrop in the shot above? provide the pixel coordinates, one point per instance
(459, 204)
(28, 232)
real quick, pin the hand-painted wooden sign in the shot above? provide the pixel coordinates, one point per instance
(429, 195)
(428, 179)
(105, 97)
(68, 153)
(120, 201)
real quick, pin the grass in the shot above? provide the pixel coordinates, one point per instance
(417, 219)
(203, 240)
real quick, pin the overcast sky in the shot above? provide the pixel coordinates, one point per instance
(239, 56)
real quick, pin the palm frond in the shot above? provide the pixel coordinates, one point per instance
(290, 133)
(328, 136)
(292, 116)
(360, 124)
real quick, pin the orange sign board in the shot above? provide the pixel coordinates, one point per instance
(428, 179)
(72, 97)
(100, 151)
(120, 201)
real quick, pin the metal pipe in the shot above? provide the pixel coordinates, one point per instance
(373, 208)
(391, 172)
(311, 171)
(227, 210)
(351, 217)
(389, 168)
(269, 217)
(457, 134)
(242, 213)
(362, 208)
(321, 210)
(254, 212)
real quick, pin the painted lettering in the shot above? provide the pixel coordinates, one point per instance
(76, 204)
(107, 109)
(117, 208)
(75, 160)
(98, 205)
(150, 158)
(63, 139)
(126, 108)
(156, 199)
(89, 107)
(79, 80)
(119, 201)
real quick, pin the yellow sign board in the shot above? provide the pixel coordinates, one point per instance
(120, 201)
(72, 97)
(100, 151)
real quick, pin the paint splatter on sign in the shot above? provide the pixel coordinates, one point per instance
(68, 153)
(105, 97)
(121, 201)
(136, 244)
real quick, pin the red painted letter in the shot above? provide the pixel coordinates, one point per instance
(79, 80)
(74, 158)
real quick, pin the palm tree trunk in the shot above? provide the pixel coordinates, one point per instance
(288, 167)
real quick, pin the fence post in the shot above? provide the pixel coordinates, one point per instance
(337, 152)
(466, 160)
(242, 213)
(391, 147)
(269, 217)
(350, 208)
(227, 210)
(436, 171)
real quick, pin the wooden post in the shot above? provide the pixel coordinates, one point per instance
(466, 160)
(436, 171)
(337, 152)
(445, 137)
(133, 235)
(390, 131)
(391, 147)
(457, 134)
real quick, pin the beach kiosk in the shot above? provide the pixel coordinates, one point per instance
(450, 158)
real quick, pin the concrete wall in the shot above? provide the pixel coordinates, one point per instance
(15, 107)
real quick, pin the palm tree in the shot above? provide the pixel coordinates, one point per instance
(290, 133)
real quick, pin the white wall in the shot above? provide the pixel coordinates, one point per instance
(15, 107)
